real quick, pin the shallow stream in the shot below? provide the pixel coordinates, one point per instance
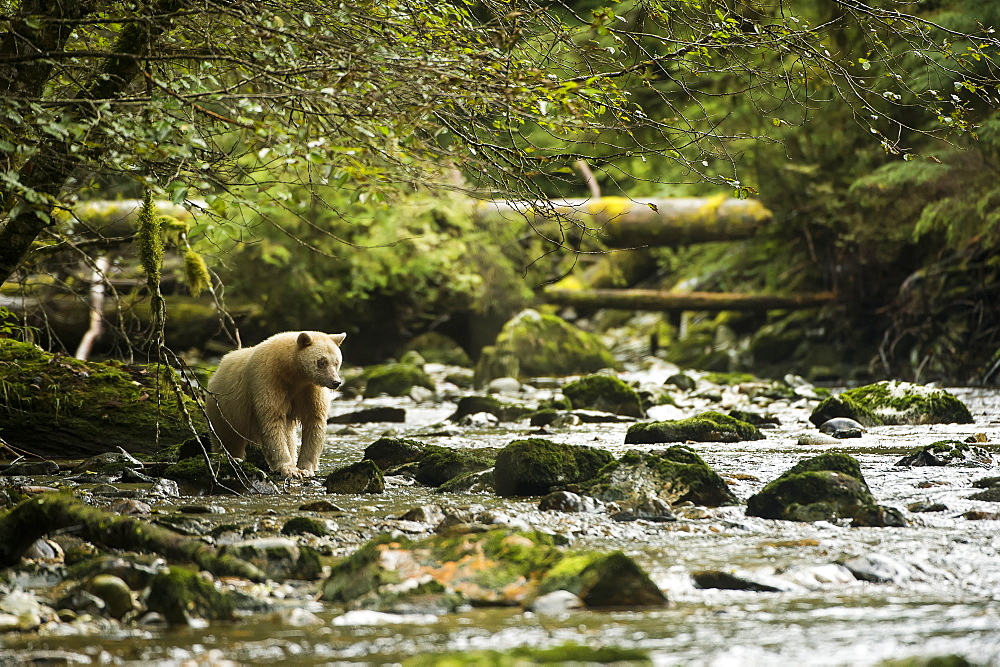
(943, 597)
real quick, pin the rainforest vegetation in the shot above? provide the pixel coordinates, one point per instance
(328, 163)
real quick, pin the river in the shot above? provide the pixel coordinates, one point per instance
(942, 597)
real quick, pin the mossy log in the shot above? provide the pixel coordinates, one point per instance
(657, 300)
(48, 512)
(629, 223)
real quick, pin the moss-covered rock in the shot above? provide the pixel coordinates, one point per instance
(280, 557)
(823, 488)
(533, 344)
(893, 402)
(606, 393)
(395, 379)
(569, 654)
(949, 453)
(181, 595)
(438, 465)
(230, 475)
(536, 466)
(673, 475)
(308, 525)
(707, 427)
(361, 477)
(470, 405)
(495, 567)
(436, 348)
(57, 407)
(388, 453)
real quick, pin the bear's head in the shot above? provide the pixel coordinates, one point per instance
(319, 357)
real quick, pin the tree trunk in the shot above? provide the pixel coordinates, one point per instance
(626, 223)
(48, 512)
(642, 299)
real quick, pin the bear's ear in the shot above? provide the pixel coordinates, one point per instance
(338, 338)
(304, 339)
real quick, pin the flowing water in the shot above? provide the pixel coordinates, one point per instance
(943, 597)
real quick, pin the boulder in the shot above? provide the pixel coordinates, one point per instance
(606, 393)
(439, 465)
(471, 405)
(388, 453)
(361, 477)
(949, 453)
(827, 487)
(707, 427)
(55, 406)
(181, 595)
(673, 475)
(436, 348)
(537, 466)
(892, 402)
(371, 415)
(279, 557)
(230, 475)
(533, 344)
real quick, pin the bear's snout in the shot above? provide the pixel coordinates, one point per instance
(333, 383)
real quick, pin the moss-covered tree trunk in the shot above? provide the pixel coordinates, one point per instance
(655, 300)
(42, 514)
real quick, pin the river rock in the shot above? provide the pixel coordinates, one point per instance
(31, 469)
(604, 393)
(387, 453)
(279, 557)
(738, 580)
(231, 475)
(479, 420)
(673, 475)
(536, 466)
(567, 501)
(707, 427)
(682, 381)
(650, 508)
(842, 427)
(470, 482)
(876, 568)
(438, 465)
(470, 405)
(181, 595)
(949, 453)
(361, 477)
(115, 593)
(490, 568)
(371, 415)
(307, 525)
(893, 402)
(556, 602)
(533, 344)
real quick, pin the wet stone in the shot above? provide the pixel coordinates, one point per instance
(362, 477)
(926, 506)
(305, 525)
(371, 415)
(556, 602)
(650, 508)
(130, 506)
(567, 501)
(431, 514)
(991, 495)
(113, 591)
(876, 568)
(31, 468)
(949, 453)
(320, 506)
(738, 581)
(842, 427)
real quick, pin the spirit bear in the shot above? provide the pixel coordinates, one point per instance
(259, 394)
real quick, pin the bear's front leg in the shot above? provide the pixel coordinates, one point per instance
(278, 445)
(313, 437)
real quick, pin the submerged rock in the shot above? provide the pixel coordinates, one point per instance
(181, 595)
(673, 475)
(892, 402)
(394, 379)
(537, 466)
(281, 558)
(739, 581)
(470, 405)
(371, 415)
(533, 344)
(230, 475)
(439, 465)
(707, 427)
(605, 393)
(388, 453)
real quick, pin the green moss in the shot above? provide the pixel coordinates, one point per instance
(180, 595)
(361, 477)
(438, 464)
(536, 466)
(390, 452)
(50, 401)
(730, 378)
(535, 344)
(707, 427)
(603, 392)
(360, 573)
(894, 402)
(437, 348)
(827, 486)
(676, 474)
(603, 580)
(842, 463)
(394, 380)
(231, 474)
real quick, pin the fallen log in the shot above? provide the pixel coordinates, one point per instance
(656, 300)
(621, 222)
(48, 512)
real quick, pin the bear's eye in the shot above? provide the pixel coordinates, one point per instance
(323, 363)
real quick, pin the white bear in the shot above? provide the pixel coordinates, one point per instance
(260, 394)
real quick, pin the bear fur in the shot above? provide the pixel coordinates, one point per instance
(260, 394)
